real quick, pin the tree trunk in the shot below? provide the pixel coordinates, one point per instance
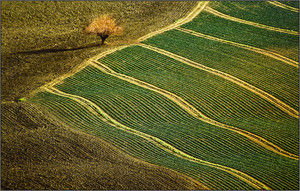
(103, 37)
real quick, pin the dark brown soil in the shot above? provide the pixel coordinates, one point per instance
(39, 153)
(41, 40)
(44, 39)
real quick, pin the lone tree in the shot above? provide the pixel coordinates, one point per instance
(104, 26)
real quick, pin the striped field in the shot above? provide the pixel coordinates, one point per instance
(253, 11)
(201, 96)
(152, 114)
(282, 43)
(213, 96)
(257, 69)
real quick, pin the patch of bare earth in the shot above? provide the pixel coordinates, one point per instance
(38, 152)
(41, 40)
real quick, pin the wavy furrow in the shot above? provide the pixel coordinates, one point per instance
(130, 143)
(151, 59)
(228, 17)
(161, 144)
(230, 111)
(284, 6)
(194, 112)
(265, 73)
(121, 93)
(278, 103)
(247, 47)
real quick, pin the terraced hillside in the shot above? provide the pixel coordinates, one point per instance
(213, 96)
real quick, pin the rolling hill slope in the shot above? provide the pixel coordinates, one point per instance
(224, 115)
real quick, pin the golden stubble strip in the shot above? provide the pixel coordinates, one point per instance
(156, 141)
(228, 17)
(200, 6)
(244, 46)
(284, 6)
(278, 103)
(194, 112)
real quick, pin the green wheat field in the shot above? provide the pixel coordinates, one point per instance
(215, 98)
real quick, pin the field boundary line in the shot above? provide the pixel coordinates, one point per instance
(278, 103)
(197, 9)
(158, 142)
(201, 5)
(284, 6)
(228, 17)
(194, 112)
(247, 47)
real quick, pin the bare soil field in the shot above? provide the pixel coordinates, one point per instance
(41, 41)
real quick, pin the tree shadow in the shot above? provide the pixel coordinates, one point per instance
(53, 50)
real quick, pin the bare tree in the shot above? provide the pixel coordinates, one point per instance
(104, 26)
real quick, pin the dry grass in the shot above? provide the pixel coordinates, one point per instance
(41, 40)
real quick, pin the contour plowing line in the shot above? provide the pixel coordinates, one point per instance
(275, 101)
(228, 17)
(284, 6)
(247, 47)
(200, 6)
(194, 112)
(158, 142)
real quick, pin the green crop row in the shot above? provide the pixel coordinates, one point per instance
(77, 116)
(139, 109)
(275, 77)
(215, 97)
(284, 44)
(260, 12)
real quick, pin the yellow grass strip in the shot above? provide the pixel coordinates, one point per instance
(222, 15)
(247, 47)
(284, 6)
(194, 112)
(158, 142)
(76, 69)
(201, 5)
(278, 103)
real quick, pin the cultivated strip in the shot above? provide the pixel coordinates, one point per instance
(284, 6)
(158, 142)
(194, 112)
(278, 103)
(228, 17)
(247, 47)
(201, 5)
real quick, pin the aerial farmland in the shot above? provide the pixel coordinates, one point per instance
(205, 98)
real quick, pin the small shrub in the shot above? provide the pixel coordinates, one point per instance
(104, 26)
